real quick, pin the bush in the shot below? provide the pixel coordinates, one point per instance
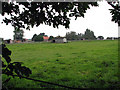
(38, 38)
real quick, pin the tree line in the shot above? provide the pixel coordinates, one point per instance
(88, 35)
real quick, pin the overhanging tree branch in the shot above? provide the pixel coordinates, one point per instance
(45, 82)
(48, 13)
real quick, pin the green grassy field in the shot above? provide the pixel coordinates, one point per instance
(83, 64)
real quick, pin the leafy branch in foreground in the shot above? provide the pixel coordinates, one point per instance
(48, 13)
(12, 68)
(115, 11)
(16, 69)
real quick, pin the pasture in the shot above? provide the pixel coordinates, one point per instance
(80, 64)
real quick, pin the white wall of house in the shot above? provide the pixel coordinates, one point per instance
(64, 40)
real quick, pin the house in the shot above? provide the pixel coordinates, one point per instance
(112, 38)
(59, 40)
(45, 38)
(8, 41)
(27, 40)
(82, 38)
(17, 41)
(11, 41)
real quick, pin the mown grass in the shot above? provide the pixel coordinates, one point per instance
(82, 64)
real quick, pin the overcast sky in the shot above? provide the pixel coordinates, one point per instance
(97, 19)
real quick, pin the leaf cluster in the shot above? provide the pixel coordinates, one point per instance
(115, 11)
(48, 13)
(39, 37)
(12, 68)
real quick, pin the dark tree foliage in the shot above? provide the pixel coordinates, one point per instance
(71, 35)
(18, 34)
(80, 36)
(33, 38)
(89, 35)
(42, 34)
(12, 68)
(38, 38)
(48, 13)
(100, 37)
(50, 38)
(115, 11)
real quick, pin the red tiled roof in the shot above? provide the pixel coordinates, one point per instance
(45, 37)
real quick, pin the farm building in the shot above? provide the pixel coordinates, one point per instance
(23, 41)
(82, 38)
(112, 38)
(59, 40)
(27, 40)
(45, 38)
(8, 41)
(17, 41)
